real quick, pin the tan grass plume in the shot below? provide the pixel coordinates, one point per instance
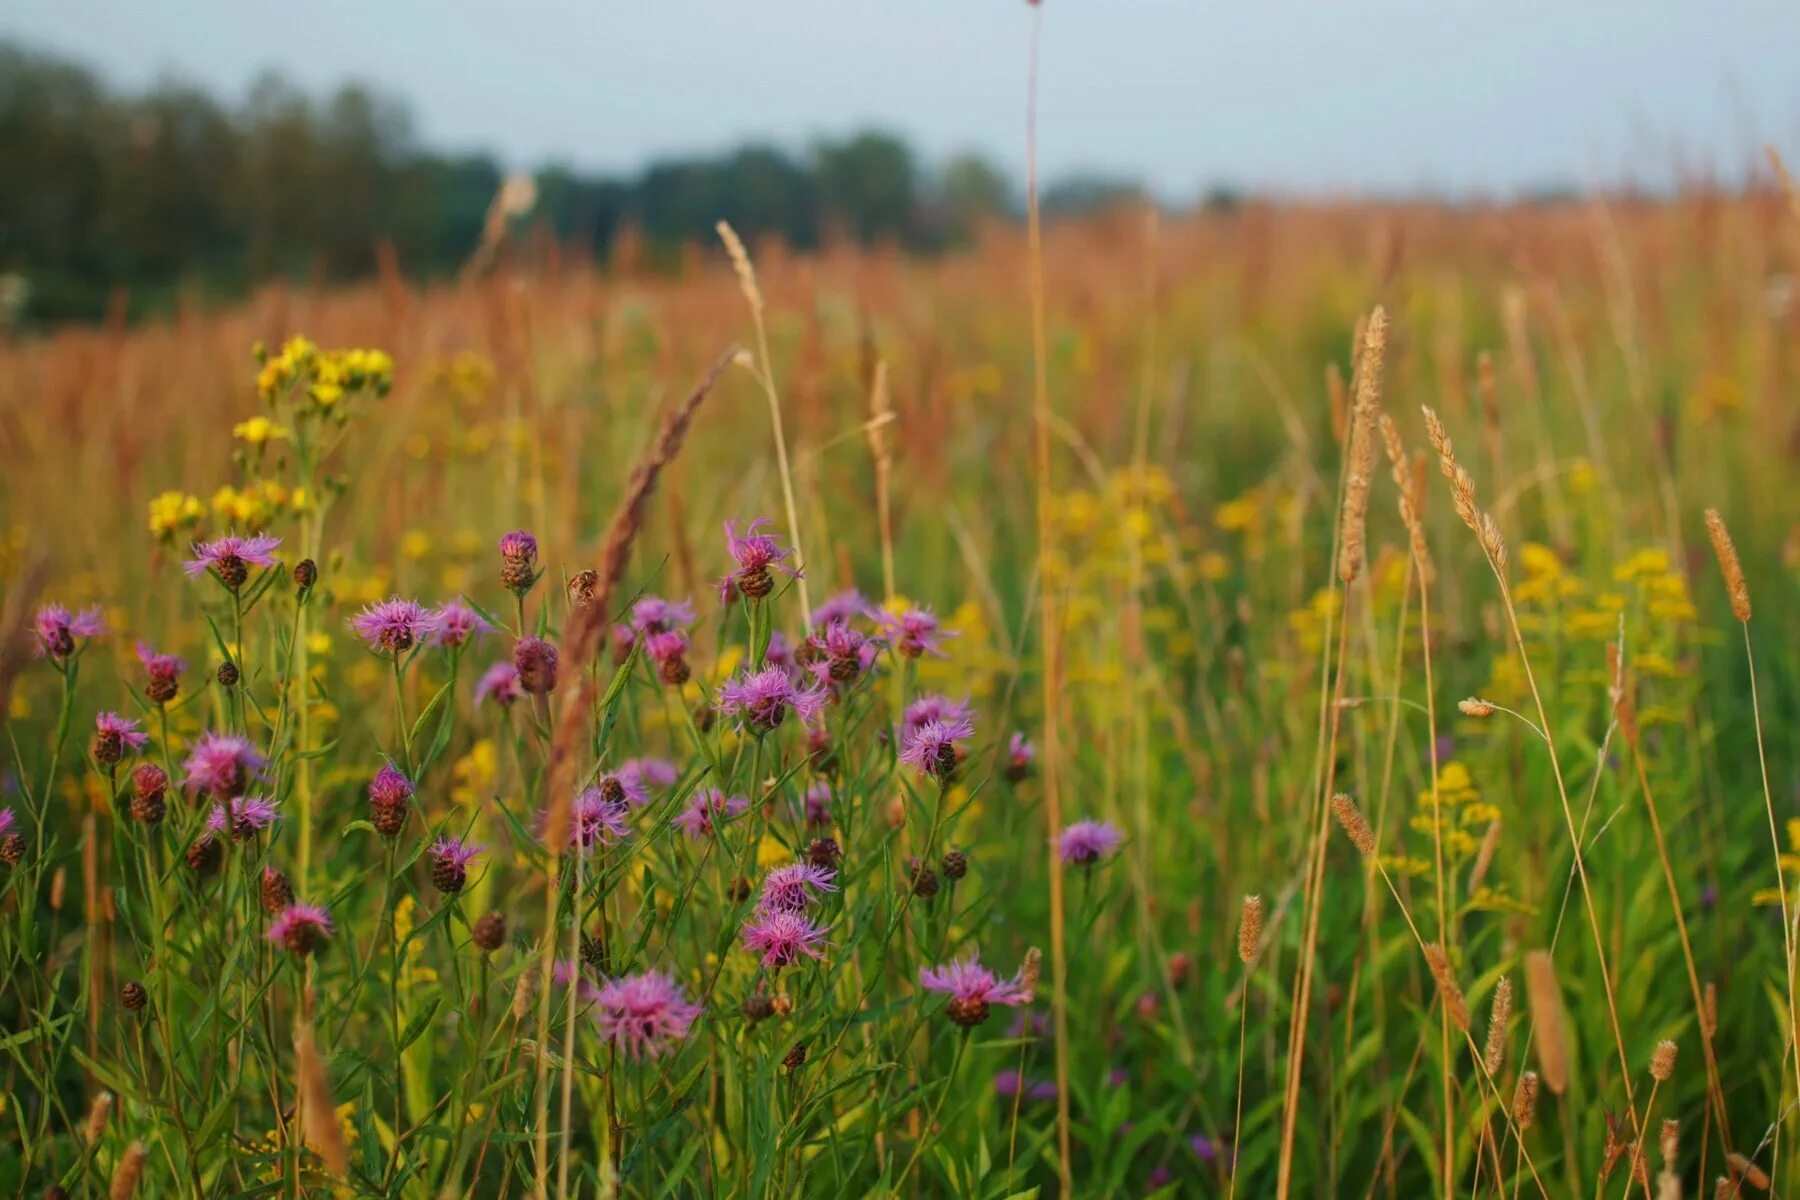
(1448, 989)
(1729, 566)
(1494, 1054)
(1361, 460)
(1250, 923)
(1355, 825)
(126, 1174)
(1551, 1038)
(319, 1111)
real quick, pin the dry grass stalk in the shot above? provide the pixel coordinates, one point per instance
(1544, 998)
(1729, 566)
(1029, 971)
(1484, 856)
(1662, 1061)
(1363, 417)
(1475, 707)
(1250, 923)
(98, 1112)
(881, 450)
(1494, 1054)
(126, 1174)
(1668, 1182)
(1448, 989)
(1785, 180)
(318, 1109)
(1743, 1169)
(1411, 503)
(1355, 825)
(1525, 1101)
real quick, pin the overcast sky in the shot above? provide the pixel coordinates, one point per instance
(1385, 95)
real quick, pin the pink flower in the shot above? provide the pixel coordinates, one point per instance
(840, 655)
(762, 699)
(791, 888)
(248, 816)
(455, 623)
(915, 632)
(57, 628)
(644, 1015)
(395, 626)
(931, 748)
(706, 807)
(500, 684)
(222, 764)
(843, 607)
(639, 775)
(164, 671)
(818, 804)
(972, 988)
(781, 937)
(598, 820)
(389, 787)
(1087, 842)
(931, 707)
(536, 661)
(450, 859)
(113, 735)
(756, 553)
(653, 614)
(230, 558)
(300, 927)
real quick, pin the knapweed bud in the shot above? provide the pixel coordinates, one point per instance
(489, 933)
(536, 660)
(12, 849)
(593, 951)
(956, 865)
(134, 997)
(518, 558)
(450, 858)
(275, 891)
(757, 1007)
(794, 1059)
(306, 574)
(924, 880)
(149, 793)
(824, 852)
(390, 793)
(204, 854)
(1180, 968)
(228, 674)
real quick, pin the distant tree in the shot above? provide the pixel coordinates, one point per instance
(869, 185)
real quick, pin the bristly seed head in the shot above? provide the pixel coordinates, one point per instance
(1355, 825)
(1662, 1061)
(1250, 923)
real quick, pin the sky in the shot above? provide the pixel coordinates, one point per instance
(1378, 96)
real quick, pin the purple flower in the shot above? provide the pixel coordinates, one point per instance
(230, 558)
(7, 821)
(840, 655)
(389, 787)
(818, 804)
(57, 628)
(1020, 752)
(844, 607)
(536, 660)
(704, 808)
(450, 859)
(931, 748)
(500, 684)
(395, 626)
(915, 632)
(566, 973)
(623, 788)
(300, 927)
(1204, 1147)
(781, 937)
(966, 981)
(518, 546)
(624, 637)
(1087, 842)
(791, 888)
(222, 764)
(780, 652)
(653, 614)
(932, 707)
(113, 735)
(756, 553)
(598, 820)
(1008, 1083)
(639, 775)
(644, 1015)
(164, 671)
(668, 650)
(247, 817)
(454, 623)
(761, 699)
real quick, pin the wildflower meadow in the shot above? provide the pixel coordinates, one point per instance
(1289, 701)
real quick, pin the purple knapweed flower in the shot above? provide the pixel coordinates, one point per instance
(1009, 1082)
(668, 650)
(639, 775)
(454, 623)
(246, 816)
(761, 699)
(915, 632)
(653, 614)
(932, 707)
(972, 988)
(500, 684)
(57, 628)
(932, 750)
(390, 786)
(623, 788)
(230, 558)
(536, 661)
(840, 655)
(113, 735)
(394, 626)
(450, 859)
(1020, 754)
(1087, 842)
(845, 606)
(791, 888)
(598, 820)
(222, 764)
(817, 802)
(164, 671)
(782, 936)
(518, 546)
(644, 1015)
(300, 927)
(756, 553)
(1204, 1147)
(780, 652)
(7, 821)
(705, 809)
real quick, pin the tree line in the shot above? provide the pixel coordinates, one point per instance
(170, 191)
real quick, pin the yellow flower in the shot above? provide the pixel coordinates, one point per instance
(415, 544)
(259, 431)
(172, 512)
(474, 773)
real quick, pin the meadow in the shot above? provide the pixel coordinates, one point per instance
(1308, 712)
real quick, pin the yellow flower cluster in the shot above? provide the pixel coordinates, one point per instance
(175, 512)
(1454, 810)
(322, 378)
(256, 504)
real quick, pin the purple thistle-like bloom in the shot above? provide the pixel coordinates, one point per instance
(915, 632)
(840, 655)
(390, 786)
(756, 554)
(500, 684)
(395, 626)
(222, 764)
(653, 614)
(761, 699)
(454, 623)
(932, 707)
(972, 988)
(299, 927)
(1203, 1147)
(164, 671)
(639, 775)
(536, 661)
(1087, 842)
(598, 820)
(782, 936)
(124, 730)
(1020, 752)
(780, 652)
(845, 606)
(705, 808)
(1008, 1083)
(665, 646)
(57, 628)
(644, 1015)
(230, 558)
(817, 802)
(791, 888)
(518, 546)
(931, 748)
(455, 851)
(7, 821)
(624, 788)
(248, 816)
